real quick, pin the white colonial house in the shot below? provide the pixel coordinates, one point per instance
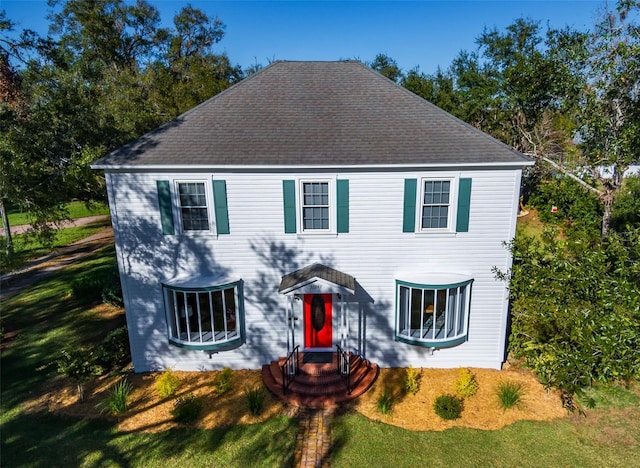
(314, 205)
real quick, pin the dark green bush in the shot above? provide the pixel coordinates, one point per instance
(448, 406)
(186, 409)
(114, 352)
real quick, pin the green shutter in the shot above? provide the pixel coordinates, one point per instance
(164, 202)
(343, 205)
(409, 213)
(220, 206)
(464, 204)
(289, 198)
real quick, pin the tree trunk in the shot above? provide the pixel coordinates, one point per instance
(7, 230)
(607, 202)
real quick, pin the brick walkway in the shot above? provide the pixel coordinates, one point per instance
(313, 442)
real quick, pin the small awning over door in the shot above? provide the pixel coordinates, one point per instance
(317, 278)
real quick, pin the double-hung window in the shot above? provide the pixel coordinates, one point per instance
(194, 212)
(436, 200)
(315, 206)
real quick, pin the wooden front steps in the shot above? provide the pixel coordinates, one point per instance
(318, 384)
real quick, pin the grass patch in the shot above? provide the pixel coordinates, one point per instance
(610, 396)
(76, 210)
(363, 442)
(39, 440)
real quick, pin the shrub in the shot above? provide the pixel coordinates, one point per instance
(222, 381)
(466, 385)
(510, 394)
(412, 381)
(186, 409)
(114, 350)
(118, 400)
(167, 384)
(87, 287)
(385, 402)
(448, 406)
(255, 399)
(79, 364)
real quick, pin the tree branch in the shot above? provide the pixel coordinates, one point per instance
(567, 173)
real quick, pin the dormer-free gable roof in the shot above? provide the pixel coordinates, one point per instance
(315, 114)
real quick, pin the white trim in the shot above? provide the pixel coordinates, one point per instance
(333, 209)
(452, 205)
(274, 167)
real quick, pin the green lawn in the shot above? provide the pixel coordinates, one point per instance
(604, 437)
(38, 322)
(76, 210)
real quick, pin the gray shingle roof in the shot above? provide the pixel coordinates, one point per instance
(320, 271)
(314, 114)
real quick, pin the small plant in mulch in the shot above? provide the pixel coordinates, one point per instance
(222, 381)
(510, 394)
(466, 386)
(167, 384)
(186, 409)
(79, 364)
(448, 406)
(118, 400)
(412, 381)
(385, 402)
(255, 399)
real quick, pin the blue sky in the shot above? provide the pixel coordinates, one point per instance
(426, 34)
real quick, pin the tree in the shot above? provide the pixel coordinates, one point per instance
(609, 118)
(108, 74)
(386, 66)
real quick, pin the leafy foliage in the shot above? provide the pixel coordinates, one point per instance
(448, 406)
(466, 385)
(167, 384)
(576, 210)
(186, 409)
(222, 381)
(510, 394)
(412, 381)
(79, 364)
(114, 352)
(118, 399)
(575, 308)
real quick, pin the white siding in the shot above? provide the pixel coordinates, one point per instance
(258, 252)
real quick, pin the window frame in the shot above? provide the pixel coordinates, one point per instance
(459, 313)
(452, 204)
(178, 218)
(232, 338)
(331, 207)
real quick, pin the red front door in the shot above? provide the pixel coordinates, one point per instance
(317, 321)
